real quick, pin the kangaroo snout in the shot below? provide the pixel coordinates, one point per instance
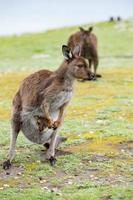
(91, 76)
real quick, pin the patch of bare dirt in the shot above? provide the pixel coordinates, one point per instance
(99, 158)
(126, 146)
(12, 172)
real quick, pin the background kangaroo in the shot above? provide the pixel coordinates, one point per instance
(88, 43)
(39, 104)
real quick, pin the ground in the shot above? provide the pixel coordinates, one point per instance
(96, 162)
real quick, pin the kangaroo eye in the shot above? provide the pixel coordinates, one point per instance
(81, 65)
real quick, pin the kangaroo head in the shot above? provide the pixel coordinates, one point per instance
(77, 65)
(85, 34)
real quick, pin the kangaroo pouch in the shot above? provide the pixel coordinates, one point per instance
(30, 128)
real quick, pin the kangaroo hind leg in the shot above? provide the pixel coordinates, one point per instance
(16, 125)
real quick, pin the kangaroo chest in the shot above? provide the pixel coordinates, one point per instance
(60, 99)
(87, 51)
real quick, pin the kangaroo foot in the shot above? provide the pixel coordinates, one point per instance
(6, 164)
(52, 161)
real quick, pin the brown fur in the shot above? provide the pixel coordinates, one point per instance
(88, 43)
(43, 95)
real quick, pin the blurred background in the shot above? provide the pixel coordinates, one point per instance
(18, 17)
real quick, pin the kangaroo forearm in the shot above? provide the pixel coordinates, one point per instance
(45, 109)
(61, 115)
(62, 112)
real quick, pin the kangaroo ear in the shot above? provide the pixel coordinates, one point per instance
(90, 29)
(67, 52)
(81, 29)
(77, 51)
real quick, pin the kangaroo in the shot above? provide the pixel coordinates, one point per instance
(88, 43)
(41, 101)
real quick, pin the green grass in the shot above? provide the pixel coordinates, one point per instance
(98, 124)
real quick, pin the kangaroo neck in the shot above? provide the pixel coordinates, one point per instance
(64, 76)
(68, 81)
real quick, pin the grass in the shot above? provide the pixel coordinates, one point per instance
(99, 121)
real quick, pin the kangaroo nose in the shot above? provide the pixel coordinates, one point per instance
(91, 76)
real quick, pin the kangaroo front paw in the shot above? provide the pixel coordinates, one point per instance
(52, 161)
(56, 124)
(6, 164)
(50, 123)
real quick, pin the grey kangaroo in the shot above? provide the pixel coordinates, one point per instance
(88, 43)
(41, 101)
